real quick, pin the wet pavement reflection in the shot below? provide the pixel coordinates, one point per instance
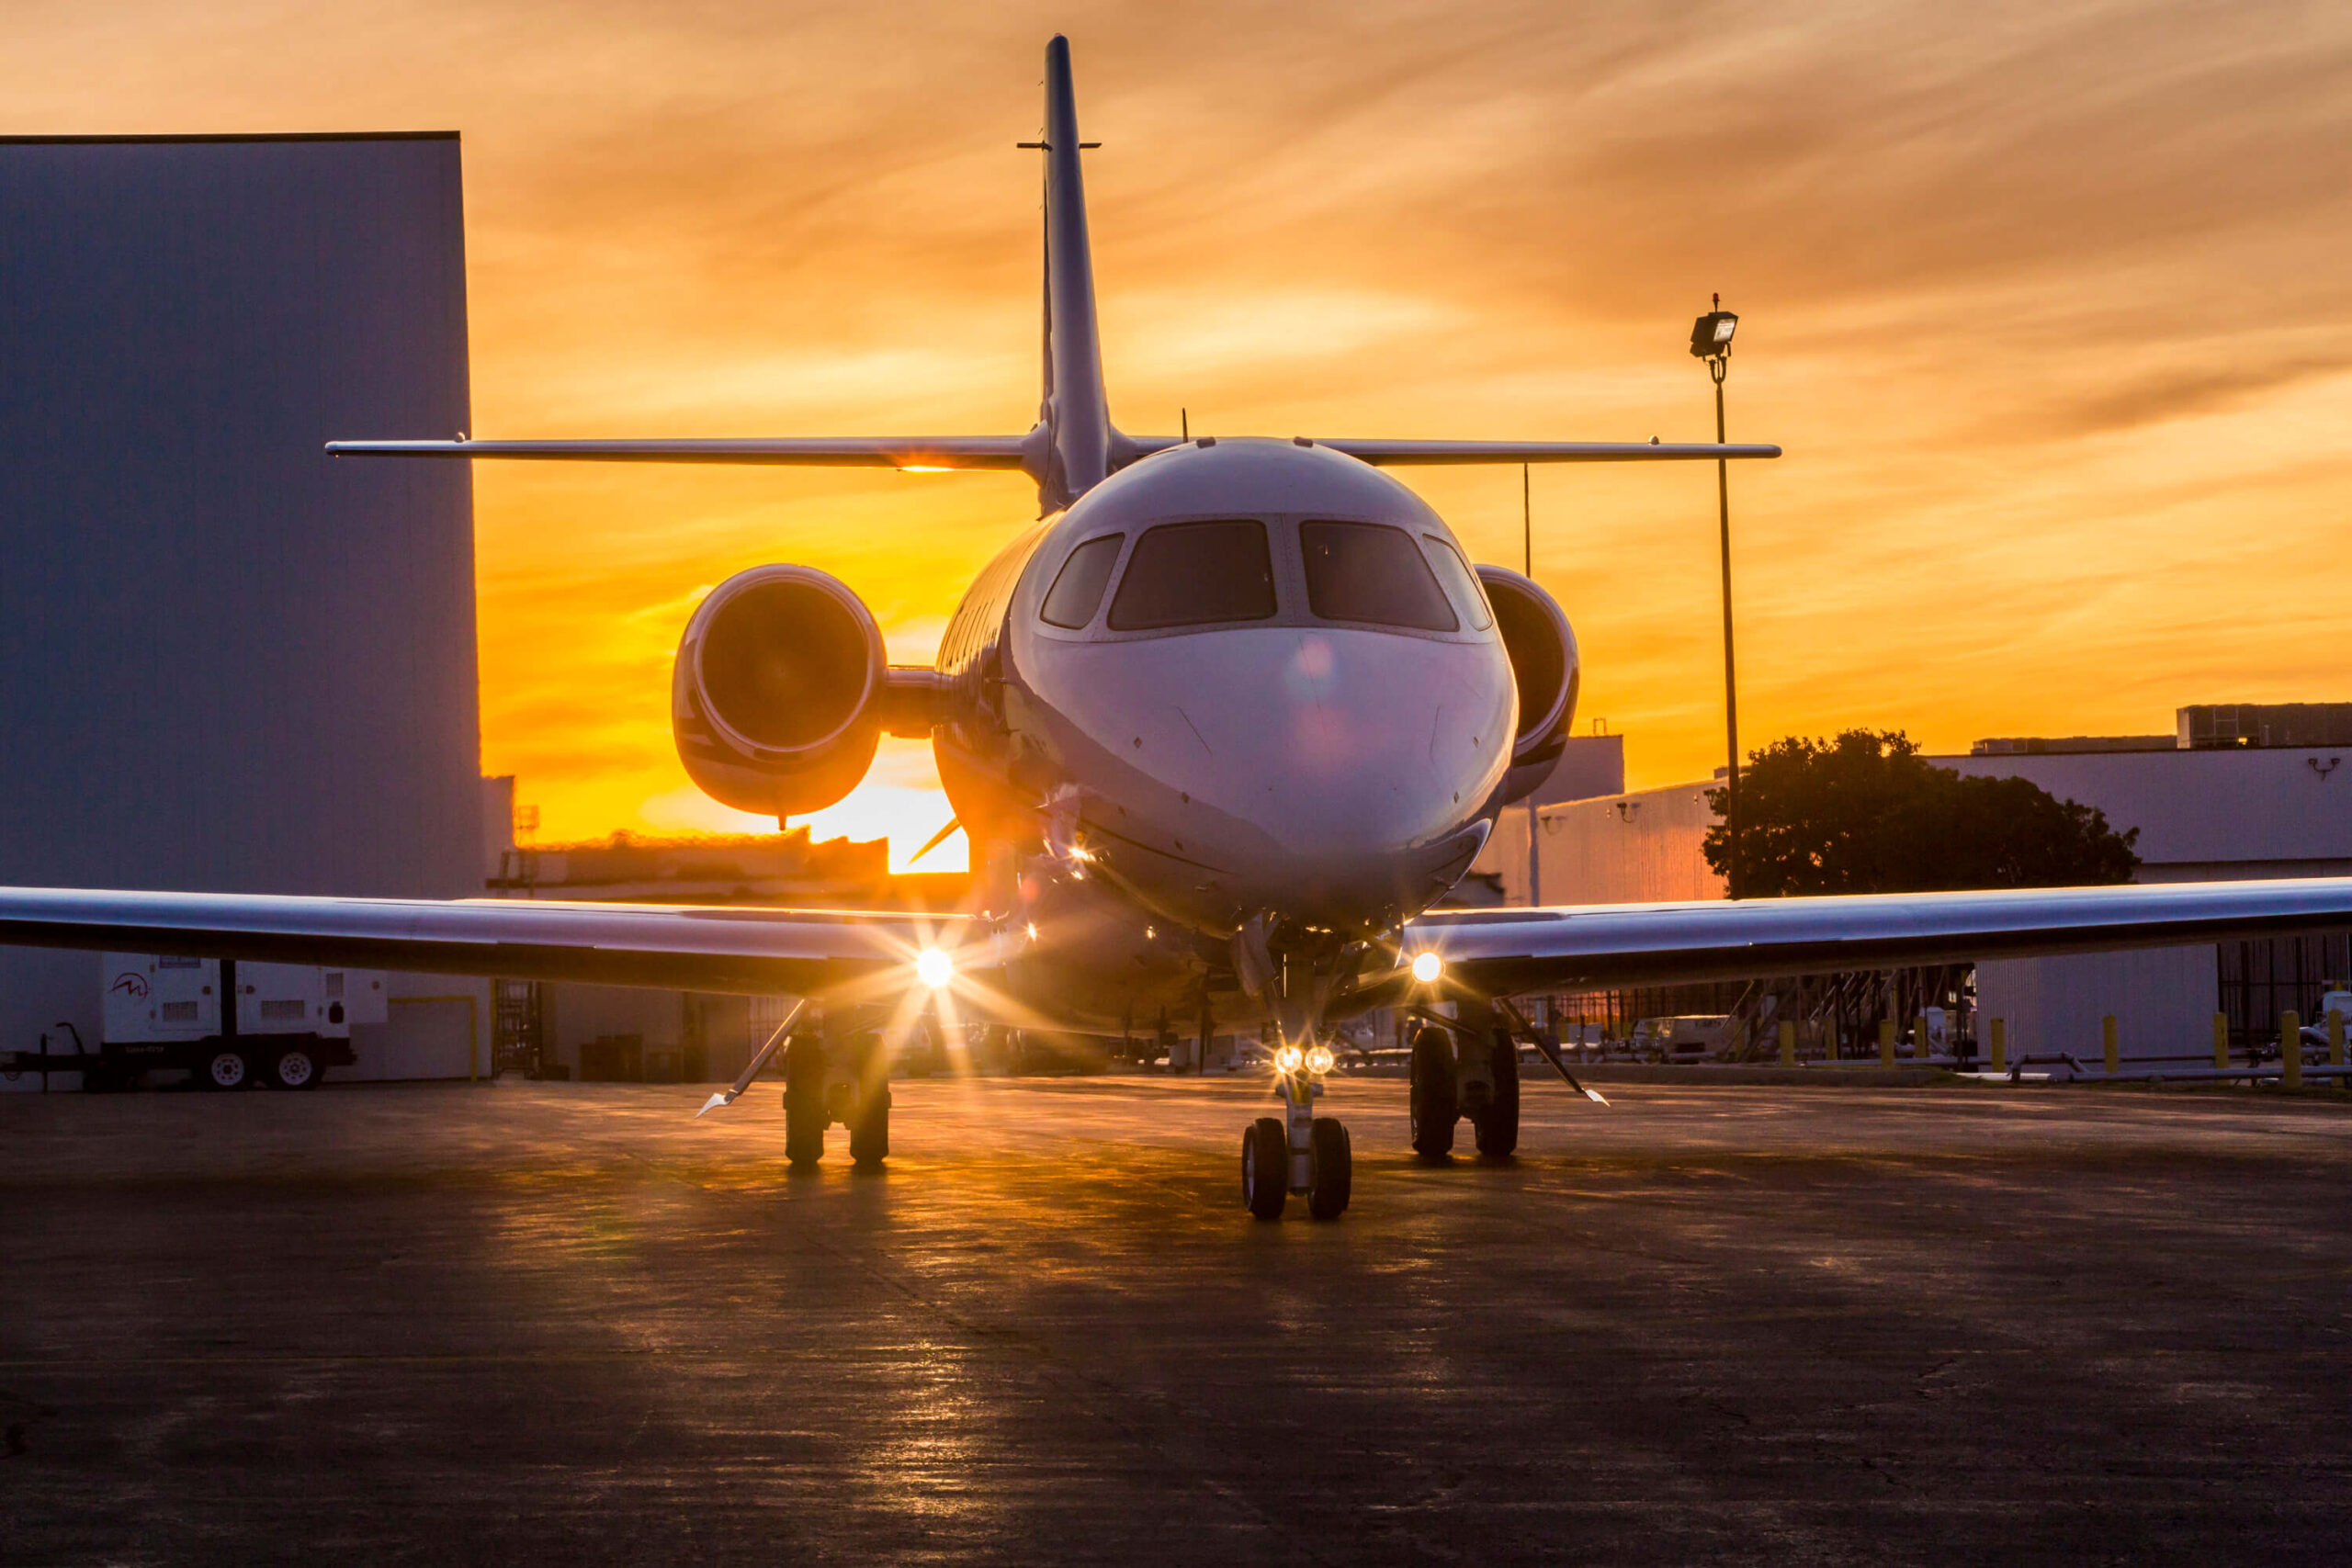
(568, 1322)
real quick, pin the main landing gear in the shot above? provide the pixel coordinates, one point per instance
(1477, 1077)
(840, 1077)
(1297, 1152)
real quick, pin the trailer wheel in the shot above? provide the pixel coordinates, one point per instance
(294, 1068)
(225, 1069)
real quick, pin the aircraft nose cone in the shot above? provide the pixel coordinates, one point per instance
(1347, 755)
(1324, 771)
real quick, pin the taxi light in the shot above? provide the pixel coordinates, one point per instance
(934, 969)
(1320, 1059)
(1426, 967)
(1288, 1058)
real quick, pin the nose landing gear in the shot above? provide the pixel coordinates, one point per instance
(1297, 1152)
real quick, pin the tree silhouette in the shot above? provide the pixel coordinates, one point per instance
(1865, 813)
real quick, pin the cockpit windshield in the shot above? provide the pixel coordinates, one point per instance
(1370, 572)
(1463, 580)
(1077, 592)
(1193, 574)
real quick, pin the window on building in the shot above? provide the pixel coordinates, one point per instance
(1196, 574)
(1367, 572)
(1077, 592)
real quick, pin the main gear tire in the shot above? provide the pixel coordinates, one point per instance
(1265, 1168)
(1498, 1128)
(1330, 1168)
(1434, 1108)
(869, 1118)
(804, 1100)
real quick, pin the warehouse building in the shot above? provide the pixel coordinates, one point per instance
(233, 663)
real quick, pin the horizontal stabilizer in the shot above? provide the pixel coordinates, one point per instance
(1390, 454)
(916, 452)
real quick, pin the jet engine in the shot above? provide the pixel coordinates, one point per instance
(1543, 651)
(778, 697)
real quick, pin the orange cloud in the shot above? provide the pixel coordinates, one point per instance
(2044, 302)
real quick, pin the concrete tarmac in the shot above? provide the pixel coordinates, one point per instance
(567, 1324)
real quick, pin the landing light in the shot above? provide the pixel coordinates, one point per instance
(1288, 1058)
(923, 468)
(934, 969)
(1426, 967)
(1320, 1059)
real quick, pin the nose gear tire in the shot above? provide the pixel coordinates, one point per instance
(1433, 1106)
(1265, 1168)
(1330, 1168)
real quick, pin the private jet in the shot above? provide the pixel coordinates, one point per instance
(1223, 726)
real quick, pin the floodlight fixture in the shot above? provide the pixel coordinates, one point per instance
(1711, 334)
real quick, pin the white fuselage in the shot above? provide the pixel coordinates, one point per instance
(1295, 768)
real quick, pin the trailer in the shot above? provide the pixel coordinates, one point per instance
(284, 1024)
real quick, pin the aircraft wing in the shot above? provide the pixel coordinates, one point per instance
(828, 452)
(746, 951)
(1512, 951)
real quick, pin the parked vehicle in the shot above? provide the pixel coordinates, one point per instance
(1685, 1038)
(287, 1024)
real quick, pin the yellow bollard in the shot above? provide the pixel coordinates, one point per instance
(2000, 1044)
(1919, 1038)
(1886, 1042)
(2290, 1050)
(1788, 1043)
(2222, 1041)
(2107, 1043)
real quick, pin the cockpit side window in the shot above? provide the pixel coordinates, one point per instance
(1371, 572)
(1463, 580)
(1077, 592)
(1194, 574)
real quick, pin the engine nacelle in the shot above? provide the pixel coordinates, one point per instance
(777, 697)
(1542, 649)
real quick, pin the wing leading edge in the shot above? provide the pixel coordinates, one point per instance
(750, 952)
(1507, 952)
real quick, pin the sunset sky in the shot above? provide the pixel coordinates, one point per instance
(2048, 303)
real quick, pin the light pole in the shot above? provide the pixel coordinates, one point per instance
(1711, 340)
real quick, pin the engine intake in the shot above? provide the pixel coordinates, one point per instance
(1542, 649)
(776, 700)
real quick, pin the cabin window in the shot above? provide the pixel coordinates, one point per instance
(1463, 580)
(1196, 574)
(1368, 572)
(1077, 592)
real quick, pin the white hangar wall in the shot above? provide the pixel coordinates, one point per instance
(233, 663)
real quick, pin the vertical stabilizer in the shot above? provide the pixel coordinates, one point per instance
(1077, 416)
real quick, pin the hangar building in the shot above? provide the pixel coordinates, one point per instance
(233, 663)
